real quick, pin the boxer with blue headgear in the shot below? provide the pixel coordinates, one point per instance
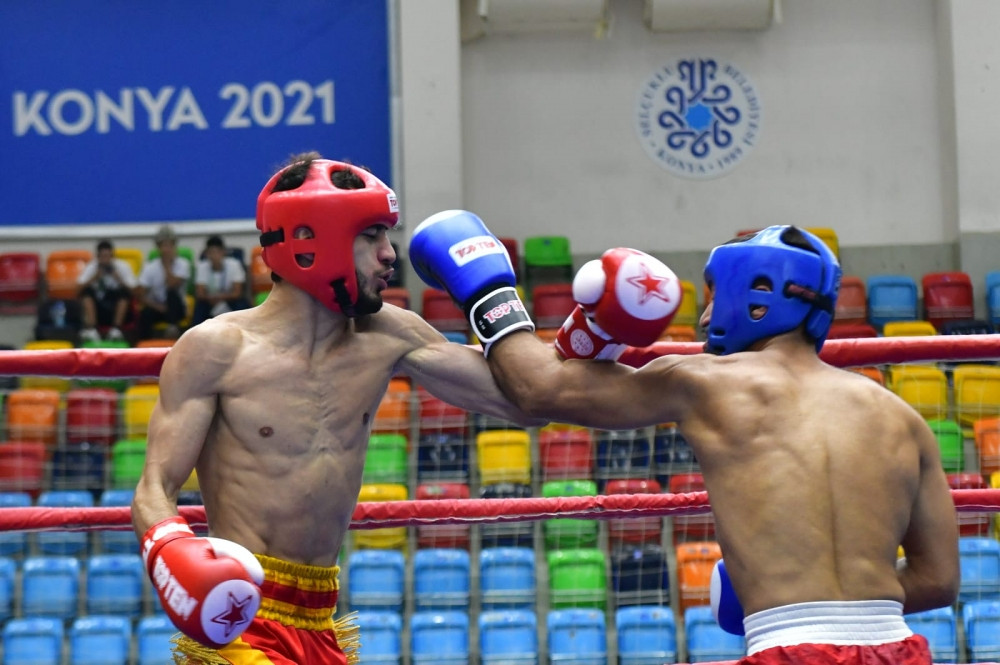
(789, 272)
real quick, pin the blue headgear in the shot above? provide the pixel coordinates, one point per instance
(804, 278)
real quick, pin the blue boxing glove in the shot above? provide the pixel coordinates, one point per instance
(725, 605)
(454, 251)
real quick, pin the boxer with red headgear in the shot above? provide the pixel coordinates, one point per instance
(816, 475)
(274, 406)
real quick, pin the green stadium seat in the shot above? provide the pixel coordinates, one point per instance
(385, 461)
(950, 442)
(577, 578)
(563, 533)
(127, 459)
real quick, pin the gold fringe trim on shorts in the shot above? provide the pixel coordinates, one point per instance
(349, 637)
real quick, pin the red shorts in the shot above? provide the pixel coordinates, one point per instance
(293, 625)
(911, 651)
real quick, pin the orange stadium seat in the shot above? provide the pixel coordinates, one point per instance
(695, 562)
(852, 302)
(872, 372)
(260, 274)
(62, 268)
(33, 415)
(679, 333)
(986, 434)
(393, 414)
(547, 335)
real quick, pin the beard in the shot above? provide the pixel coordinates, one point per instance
(369, 300)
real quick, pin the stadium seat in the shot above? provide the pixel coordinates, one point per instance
(435, 416)
(392, 538)
(396, 295)
(504, 456)
(127, 459)
(993, 298)
(260, 274)
(100, 640)
(828, 236)
(671, 452)
(908, 329)
(577, 636)
(91, 416)
(977, 394)
(647, 635)
(688, 528)
(639, 575)
(851, 331)
(20, 276)
(872, 372)
(687, 313)
(62, 268)
(137, 404)
(442, 457)
(577, 578)
(393, 413)
(376, 580)
(970, 523)
(923, 387)
(635, 530)
(133, 256)
(78, 466)
(383, 637)
(439, 638)
(552, 303)
(979, 560)
(114, 584)
(508, 637)
(951, 443)
(33, 415)
(947, 297)
(117, 542)
(514, 254)
(50, 586)
(547, 259)
(507, 578)
(385, 460)
(706, 641)
(565, 453)
(852, 302)
(443, 535)
(8, 584)
(441, 579)
(967, 327)
(513, 534)
(679, 333)
(440, 311)
(695, 562)
(564, 533)
(891, 298)
(117, 385)
(152, 636)
(22, 467)
(981, 621)
(986, 434)
(623, 454)
(14, 543)
(33, 641)
(55, 383)
(938, 626)
(63, 542)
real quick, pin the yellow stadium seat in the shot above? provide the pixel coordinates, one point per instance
(923, 387)
(133, 256)
(393, 538)
(687, 313)
(908, 329)
(504, 456)
(137, 406)
(827, 235)
(977, 394)
(46, 382)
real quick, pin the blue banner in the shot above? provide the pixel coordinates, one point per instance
(123, 111)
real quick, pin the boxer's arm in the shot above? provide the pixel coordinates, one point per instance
(930, 575)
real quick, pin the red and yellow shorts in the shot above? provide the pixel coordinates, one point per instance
(293, 625)
(833, 633)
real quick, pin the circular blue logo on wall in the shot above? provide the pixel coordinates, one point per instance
(698, 118)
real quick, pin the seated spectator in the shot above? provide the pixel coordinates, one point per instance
(218, 284)
(162, 286)
(106, 285)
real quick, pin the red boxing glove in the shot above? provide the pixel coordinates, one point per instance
(627, 298)
(209, 587)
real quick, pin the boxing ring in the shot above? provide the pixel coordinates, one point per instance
(145, 363)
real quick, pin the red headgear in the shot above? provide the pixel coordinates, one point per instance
(334, 217)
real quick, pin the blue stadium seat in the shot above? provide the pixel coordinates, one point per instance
(672, 454)
(981, 621)
(979, 560)
(439, 638)
(8, 580)
(706, 641)
(442, 456)
(14, 543)
(508, 637)
(375, 580)
(577, 636)
(639, 575)
(114, 584)
(647, 635)
(50, 586)
(513, 534)
(100, 640)
(441, 579)
(33, 641)
(892, 298)
(939, 627)
(72, 543)
(78, 466)
(152, 637)
(117, 542)
(993, 298)
(507, 578)
(382, 635)
(623, 454)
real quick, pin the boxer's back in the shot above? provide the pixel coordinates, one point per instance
(814, 470)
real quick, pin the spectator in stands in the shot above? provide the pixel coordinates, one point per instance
(106, 285)
(162, 287)
(219, 283)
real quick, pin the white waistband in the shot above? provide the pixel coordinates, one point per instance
(866, 622)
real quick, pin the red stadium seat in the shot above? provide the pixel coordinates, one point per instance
(439, 311)
(92, 416)
(851, 331)
(396, 295)
(638, 530)
(510, 244)
(947, 297)
(436, 416)
(852, 302)
(566, 453)
(552, 303)
(20, 276)
(970, 524)
(691, 527)
(22, 467)
(443, 535)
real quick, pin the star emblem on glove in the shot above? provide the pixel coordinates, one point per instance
(651, 285)
(234, 615)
